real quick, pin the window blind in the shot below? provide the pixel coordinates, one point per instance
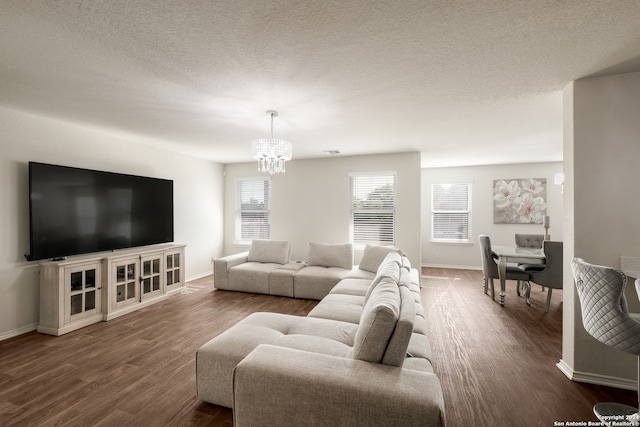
(253, 209)
(451, 212)
(373, 205)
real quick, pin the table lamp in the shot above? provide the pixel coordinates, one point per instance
(545, 223)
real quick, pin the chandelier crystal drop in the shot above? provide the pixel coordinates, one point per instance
(271, 153)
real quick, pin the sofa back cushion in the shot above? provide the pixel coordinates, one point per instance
(377, 322)
(331, 255)
(276, 251)
(396, 350)
(373, 256)
(406, 264)
(389, 268)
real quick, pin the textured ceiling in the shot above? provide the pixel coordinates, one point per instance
(463, 82)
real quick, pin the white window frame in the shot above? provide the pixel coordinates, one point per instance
(441, 213)
(262, 231)
(360, 186)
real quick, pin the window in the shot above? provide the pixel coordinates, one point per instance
(451, 212)
(373, 209)
(253, 209)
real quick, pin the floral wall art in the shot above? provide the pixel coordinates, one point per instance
(519, 201)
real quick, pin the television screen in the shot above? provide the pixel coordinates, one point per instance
(76, 211)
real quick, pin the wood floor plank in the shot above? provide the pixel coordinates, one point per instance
(496, 364)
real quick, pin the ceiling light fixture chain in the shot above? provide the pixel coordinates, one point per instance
(271, 153)
(273, 114)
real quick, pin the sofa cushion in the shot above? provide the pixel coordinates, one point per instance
(373, 256)
(391, 263)
(377, 322)
(216, 360)
(281, 279)
(320, 336)
(350, 286)
(390, 268)
(405, 278)
(314, 344)
(417, 364)
(276, 251)
(420, 323)
(419, 347)
(396, 350)
(251, 277)
(342, 332)
(356, 273)
(416, 278)
(343, 307)
(331, 255)
(315, 282)
(406, 264)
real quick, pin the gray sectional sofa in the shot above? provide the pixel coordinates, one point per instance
(360, 358)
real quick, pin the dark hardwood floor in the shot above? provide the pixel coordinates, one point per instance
(496, 364)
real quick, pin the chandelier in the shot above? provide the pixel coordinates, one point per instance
(271, 153)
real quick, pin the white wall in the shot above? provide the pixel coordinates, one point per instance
(310, 202)
(482, 177)
(602, 150)
(198, 199)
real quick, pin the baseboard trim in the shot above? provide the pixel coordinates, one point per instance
(16, 332)
(596, 379)
(199, 276)
(456, 267)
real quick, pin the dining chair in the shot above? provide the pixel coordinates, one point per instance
(550, 276)
(605, 317)
(529, 240)
(490, 268)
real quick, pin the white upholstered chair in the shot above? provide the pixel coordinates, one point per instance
(605, 317)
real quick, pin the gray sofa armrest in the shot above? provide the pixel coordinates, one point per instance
(278, 386)
(221, 268)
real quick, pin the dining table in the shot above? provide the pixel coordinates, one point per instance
(514, 254)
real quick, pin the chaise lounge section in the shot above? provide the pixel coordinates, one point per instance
(361, 356)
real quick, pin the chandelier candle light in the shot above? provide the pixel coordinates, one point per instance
(271, 153)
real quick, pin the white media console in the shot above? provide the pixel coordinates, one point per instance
(86, 289)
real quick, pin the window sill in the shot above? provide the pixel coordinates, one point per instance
(451, 242)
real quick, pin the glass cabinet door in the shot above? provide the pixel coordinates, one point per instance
(150, 277)
(174, 270)
(83, 290)
(126, 278)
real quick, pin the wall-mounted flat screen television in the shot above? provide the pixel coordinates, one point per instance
(76, 211)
